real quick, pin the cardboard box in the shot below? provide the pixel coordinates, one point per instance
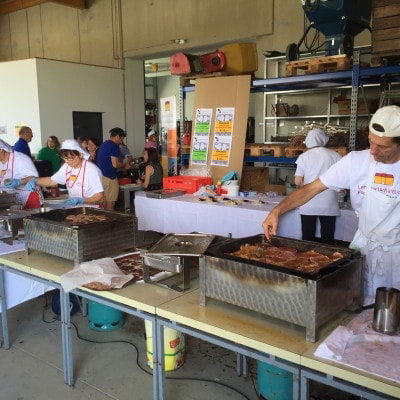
(254, 179)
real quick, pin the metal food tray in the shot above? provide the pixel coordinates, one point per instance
(221, 250)
(184, 244)
(164, 193)
(50, 233)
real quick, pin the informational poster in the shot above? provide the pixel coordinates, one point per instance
(223, 129)
(17, 127)
(169, 143)
(201, 136)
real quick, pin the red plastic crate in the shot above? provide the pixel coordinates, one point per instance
(189, 184)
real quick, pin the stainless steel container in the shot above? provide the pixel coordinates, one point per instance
(387, 310)
(178, 254)
(308, 300)
(50, 233)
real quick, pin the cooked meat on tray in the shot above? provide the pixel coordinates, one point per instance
(307, 261)
(83, 219)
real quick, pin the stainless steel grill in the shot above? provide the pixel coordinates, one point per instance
(50, 233)
(305, 299)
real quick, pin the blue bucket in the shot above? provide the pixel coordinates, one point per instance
(103, 318)
(274, 383)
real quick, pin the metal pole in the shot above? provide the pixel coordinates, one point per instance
(66, 338)
(355, 83)
(4, 321)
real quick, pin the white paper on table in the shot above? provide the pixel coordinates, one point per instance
(103, 270)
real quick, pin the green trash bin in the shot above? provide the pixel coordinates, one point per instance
(103, 318)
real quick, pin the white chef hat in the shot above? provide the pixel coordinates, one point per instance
(72, 144)
(315, 138)
(386, 122)
(5, 146)
(151, 133)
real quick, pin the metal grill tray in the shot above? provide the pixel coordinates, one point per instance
(221, 250)
(164, 193)
(184, 244)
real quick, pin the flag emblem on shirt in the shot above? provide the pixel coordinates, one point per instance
(384, 179)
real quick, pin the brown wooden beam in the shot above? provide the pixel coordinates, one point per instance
(71, 3)
(16, 5)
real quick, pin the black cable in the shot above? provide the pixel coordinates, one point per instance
(150, 373)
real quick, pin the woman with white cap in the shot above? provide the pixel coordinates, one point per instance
(16, 166)
(310, 165)
(373, 177)
(82, 177)
(151, 140)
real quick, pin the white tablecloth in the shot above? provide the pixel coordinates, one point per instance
(183, 215)
(19, 289)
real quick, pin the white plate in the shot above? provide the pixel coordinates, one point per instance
(55, 201)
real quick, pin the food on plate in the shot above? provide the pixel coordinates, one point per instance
(131, 264)
(306, 261)
(83, 219)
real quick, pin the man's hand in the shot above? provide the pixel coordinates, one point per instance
(270, 224)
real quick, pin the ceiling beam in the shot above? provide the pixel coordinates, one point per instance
(16, 5)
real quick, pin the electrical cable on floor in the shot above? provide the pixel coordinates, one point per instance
(150, 373)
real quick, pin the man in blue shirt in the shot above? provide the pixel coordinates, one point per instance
(107, 161)
(25, 136)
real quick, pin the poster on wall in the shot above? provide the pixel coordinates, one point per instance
(201, 136)
(222, 144)
(17, 127)
(169, 145)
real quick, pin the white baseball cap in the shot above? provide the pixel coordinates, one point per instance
(386, 122)
(151, 133)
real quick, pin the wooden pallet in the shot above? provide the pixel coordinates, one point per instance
(259, 149)
(318, 65)
(291, 152)
(185, 80)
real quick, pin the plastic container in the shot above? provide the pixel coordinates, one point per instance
(189, 184)
(103, 318)
(174, 347)
(231, 187)
(274, 383)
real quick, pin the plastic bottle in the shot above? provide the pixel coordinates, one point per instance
(219, 188)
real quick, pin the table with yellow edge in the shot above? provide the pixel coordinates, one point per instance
(269, 340)
(139, 300)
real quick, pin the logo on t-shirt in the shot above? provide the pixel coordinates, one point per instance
(384, 179)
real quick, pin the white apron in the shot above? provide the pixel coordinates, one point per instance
(8, 173)
(75, 183)
(378, 238)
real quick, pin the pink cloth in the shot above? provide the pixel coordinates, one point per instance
(150, 144)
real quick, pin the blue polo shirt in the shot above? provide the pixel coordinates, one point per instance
(107, 150)
(21, 145)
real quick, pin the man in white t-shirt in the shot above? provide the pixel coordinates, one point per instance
(373, 177)
(324, 206)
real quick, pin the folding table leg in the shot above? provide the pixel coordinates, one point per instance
(4, 320)
(66, 338)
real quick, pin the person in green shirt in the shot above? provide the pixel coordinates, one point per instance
(51, 153)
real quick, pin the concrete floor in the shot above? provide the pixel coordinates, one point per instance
(32, 368)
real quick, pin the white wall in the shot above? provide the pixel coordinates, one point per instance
(66, 87)
(19, 100)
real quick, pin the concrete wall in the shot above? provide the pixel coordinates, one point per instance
(66, 87)
(19, 103)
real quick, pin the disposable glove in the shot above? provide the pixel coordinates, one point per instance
(12, 183)
(73, 201)
(31, 185)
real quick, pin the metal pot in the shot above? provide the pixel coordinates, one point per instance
(387, 310)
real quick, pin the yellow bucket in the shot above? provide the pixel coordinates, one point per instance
(174, 347)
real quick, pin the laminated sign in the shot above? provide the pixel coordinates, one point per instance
(223, 129)
(201, 136)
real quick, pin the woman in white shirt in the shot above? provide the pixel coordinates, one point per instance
(14, 168)
(82, 178)
(310, 165)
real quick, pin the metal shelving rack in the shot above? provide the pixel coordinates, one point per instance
(351, 78)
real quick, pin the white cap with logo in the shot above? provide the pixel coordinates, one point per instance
(386, 122)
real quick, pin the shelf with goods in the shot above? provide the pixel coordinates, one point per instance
(354, 79)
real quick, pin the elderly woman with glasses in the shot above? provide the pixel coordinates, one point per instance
(82, 177)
